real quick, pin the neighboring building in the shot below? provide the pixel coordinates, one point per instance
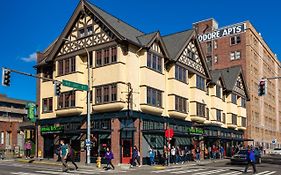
(141, 84)
(240, 44)
(14, 127)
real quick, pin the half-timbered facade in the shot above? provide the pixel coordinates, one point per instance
(141, 84)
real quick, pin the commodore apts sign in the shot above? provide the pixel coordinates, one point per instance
(223, 32)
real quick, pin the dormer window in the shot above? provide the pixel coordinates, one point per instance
(89, 30)
(85, 31)
(81, 33)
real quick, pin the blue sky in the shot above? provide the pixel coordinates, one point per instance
(30, 26)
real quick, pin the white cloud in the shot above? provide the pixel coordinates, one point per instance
(31, 58)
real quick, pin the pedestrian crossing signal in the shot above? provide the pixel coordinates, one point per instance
(6, 75)
(262, 87)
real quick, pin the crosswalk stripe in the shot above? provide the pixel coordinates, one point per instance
(23, 173)
(209, 172)
(53, 172)
(264, 172)
(187, 171)
(273, 172)
(232, 173)
(166, 170)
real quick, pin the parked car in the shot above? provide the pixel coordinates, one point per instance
(241, 157)
(276, 151)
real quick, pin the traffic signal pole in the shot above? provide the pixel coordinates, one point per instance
(30, 75)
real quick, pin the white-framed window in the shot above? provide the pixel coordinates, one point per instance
(236, 55)
(215, 59)
(8, 138)
(215, 44)
(2, 138)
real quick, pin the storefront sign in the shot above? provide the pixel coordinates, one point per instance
(195, 131)
(51, 129)
(227, 31)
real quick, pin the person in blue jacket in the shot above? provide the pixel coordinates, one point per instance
(251, 160)
(151, 156)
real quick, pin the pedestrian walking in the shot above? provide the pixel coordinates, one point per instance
(182, 155)
(165, 155)
(221, 152)
(214, 152)
(135, 157)
(57, 151)
(70, 156)
(27, 147)
(109, 156)
(197, 153)
(64, 153)
(251, 160)
(210, 152)
(151, 156)
(173, 154)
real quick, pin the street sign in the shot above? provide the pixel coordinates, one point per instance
(72, 84)
(169, 133)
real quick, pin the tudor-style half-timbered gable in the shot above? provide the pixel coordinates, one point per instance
(184, 49)
(236, 97)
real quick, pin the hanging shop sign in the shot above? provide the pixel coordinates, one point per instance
(51, 129)
(223, 32)
(169, 133)
(193, 130)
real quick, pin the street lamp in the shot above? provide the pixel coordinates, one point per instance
(88, 103)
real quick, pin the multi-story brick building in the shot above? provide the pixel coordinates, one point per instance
(240, 44)
(15, 129)
(141, 84)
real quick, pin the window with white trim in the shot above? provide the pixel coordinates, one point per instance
(2, 138)
(236, 55)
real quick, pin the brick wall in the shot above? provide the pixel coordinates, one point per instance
(9, 127)
(115, 140)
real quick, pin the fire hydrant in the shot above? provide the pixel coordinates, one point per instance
(99, 162)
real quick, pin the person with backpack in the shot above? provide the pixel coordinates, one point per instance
(70, 156)
(64, 153)
(251, 160)
(109, 156)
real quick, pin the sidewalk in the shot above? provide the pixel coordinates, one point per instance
(92, 166)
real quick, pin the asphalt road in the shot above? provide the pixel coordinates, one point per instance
(215, 168)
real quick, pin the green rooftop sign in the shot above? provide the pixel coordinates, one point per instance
(72, 84)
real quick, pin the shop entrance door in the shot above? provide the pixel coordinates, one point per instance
(49, 146)
(126, 150)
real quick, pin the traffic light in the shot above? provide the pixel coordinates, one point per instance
(6, 77)
(262, 87)
(57, 88)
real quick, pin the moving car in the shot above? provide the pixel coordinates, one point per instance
(276, 151)
(241, 157)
